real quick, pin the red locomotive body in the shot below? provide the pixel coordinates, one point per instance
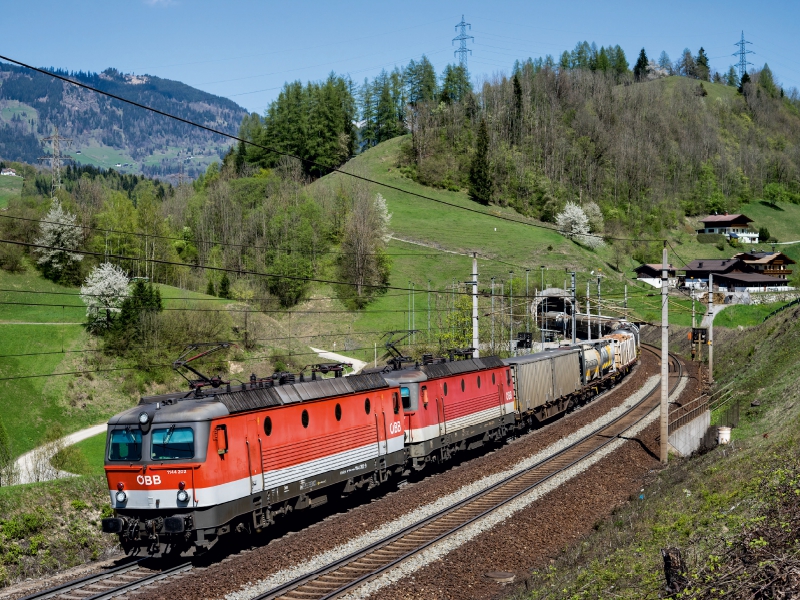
(181, 472)
(184, 469)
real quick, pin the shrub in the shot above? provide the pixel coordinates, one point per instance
(710, 238)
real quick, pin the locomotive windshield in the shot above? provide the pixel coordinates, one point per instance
(125, 444)
(172, 443)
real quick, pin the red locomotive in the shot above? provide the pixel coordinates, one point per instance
(185, 469)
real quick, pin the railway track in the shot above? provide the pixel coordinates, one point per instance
(111, 582)
(360, 567)
(352, 571)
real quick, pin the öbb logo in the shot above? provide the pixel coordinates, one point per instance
(148, 480)
(395, 427)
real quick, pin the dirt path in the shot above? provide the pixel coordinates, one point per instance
(357, 364)
(35, 465)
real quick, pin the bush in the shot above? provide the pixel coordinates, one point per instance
(711, 238)
(11, 258)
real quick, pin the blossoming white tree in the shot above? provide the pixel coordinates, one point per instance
(105, 289)
(58, 232)
(574, 224)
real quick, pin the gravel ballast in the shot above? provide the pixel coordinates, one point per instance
(506, 511)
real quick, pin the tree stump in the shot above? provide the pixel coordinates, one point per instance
(674, 569)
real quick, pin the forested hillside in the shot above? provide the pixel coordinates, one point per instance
(643, 146)
(108, 132)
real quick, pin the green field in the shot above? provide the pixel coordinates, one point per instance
(10, 187)
(12, 108)
(93, 450)
(102, 156)
(31, 404)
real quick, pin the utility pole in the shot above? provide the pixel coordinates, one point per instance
(541, 327)
(626, 302)
(710, 328)
(56, 159)
(599, 321)
(461, 38)
(413, 313)
(511, 312)
(664, 356)
(588, 312)
(429, 311)
(574, 305)
(741, 54)
(476, 353)
(493, 349)
(527, 303)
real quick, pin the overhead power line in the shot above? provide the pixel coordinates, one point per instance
(306, 161)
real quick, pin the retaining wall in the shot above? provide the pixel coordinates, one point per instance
(688, 438)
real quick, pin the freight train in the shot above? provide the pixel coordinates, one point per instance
(185, 469)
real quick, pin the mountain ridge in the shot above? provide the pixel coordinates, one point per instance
(108, 133)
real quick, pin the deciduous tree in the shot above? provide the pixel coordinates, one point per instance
(103, 292)
(59, 233)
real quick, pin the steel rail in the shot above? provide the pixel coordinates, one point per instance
(135, 585)
(303, 586)
(75, 584)
(83, 584)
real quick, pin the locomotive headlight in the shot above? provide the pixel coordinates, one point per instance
(121, 497)
(144, 418)
(183, 496)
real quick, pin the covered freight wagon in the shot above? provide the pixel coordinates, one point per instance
(545, 382)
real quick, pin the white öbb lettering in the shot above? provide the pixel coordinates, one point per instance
(148, 480)
(395, 427)
(509, 396)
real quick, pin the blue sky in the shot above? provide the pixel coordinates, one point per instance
(245, 50)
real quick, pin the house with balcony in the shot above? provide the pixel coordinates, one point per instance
(774, 264)
(736, 227)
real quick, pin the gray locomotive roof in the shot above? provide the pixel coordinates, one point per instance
(249, 399)
(220, 402)
(183, 411)
(461, 366)
(530, 358)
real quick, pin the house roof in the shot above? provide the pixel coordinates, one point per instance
(726, 219)
(763, 258)
(715, 265)
(653, 267)
(753, 278)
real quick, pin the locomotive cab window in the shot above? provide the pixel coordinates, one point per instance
(395, 403)
(172, 443)
(405, 395)
(125, 444)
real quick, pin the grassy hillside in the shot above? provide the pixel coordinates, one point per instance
(10, 187)
(725, 510)
(55, 341)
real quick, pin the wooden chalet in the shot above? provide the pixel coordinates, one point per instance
(774, 264)
(731, 226)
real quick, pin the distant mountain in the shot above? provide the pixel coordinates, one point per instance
(108, 133)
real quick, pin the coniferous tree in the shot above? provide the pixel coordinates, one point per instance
(225, 287)
(620, 62)
(702, 69)
(481, 185)
(732, 79)
(210, 291)
(603, 64)
(455, 84)
(640, 69)
(742, 84)
(664, 62)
